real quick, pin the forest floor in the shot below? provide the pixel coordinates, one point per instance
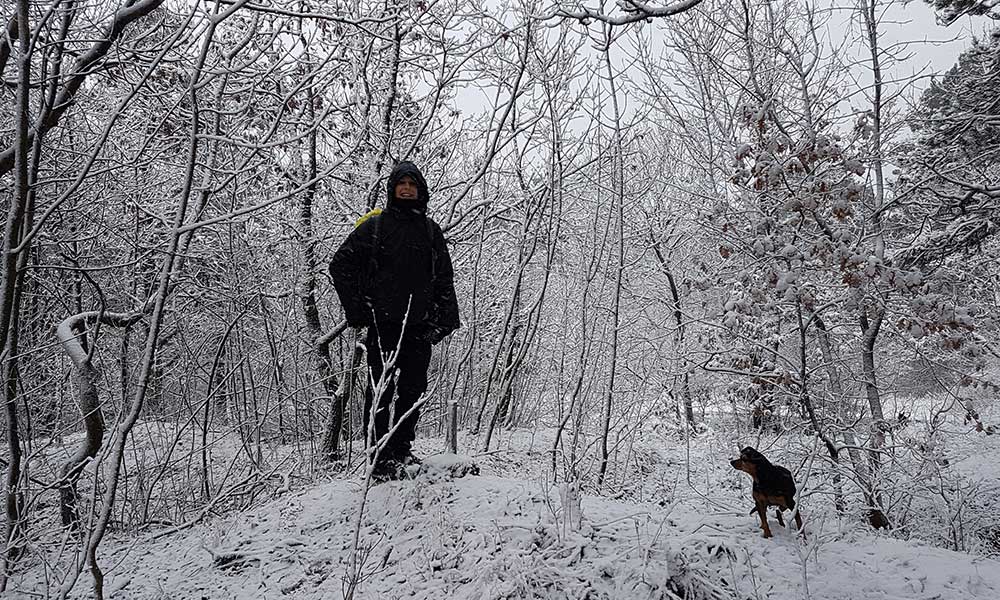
(677, 527)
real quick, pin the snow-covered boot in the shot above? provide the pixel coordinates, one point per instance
(386, 470)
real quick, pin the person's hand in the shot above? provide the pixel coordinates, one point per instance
(358, 324)
(359, 319)
(434, 334)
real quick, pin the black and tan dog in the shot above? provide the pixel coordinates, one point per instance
(772, 486)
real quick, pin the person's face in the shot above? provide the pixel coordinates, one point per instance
(406, 189)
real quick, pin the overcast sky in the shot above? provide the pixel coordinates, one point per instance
(929, 47)
(935, 48)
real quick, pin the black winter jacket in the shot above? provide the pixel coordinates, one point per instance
(410, 265)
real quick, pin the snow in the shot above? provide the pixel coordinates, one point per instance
(440, 467)
(511, 533)
(486, 537)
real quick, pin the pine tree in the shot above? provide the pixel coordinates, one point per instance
(951, 178)
(950, 10)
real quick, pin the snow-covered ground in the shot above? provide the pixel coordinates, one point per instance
(678, 528)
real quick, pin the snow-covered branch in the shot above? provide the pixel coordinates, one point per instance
(83, 67)
(633, 11)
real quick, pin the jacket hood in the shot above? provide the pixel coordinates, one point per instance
(407, 168)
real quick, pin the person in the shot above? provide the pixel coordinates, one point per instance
(394, 276)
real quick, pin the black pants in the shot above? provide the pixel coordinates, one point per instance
(401, 392)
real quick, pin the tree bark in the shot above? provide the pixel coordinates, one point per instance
(9, 300)
(307, 294)
(870, 326)
(679, 320)
(72, 335)
(618, 183)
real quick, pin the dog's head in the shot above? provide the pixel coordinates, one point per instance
(748, 461)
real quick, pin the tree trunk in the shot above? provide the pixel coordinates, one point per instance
(307, 293)
(618, 182)
(837, 393)
(510, 327)
(869, 331)
(9, 300)
(679, 320)
(870, 328)
(72, 335)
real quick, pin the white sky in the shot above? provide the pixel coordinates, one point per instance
(933, 48)
(929, 47)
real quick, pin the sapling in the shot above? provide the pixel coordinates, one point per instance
(353, 576)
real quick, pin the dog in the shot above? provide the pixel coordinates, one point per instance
(772, 486)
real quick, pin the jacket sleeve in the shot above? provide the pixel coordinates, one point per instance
(347, 270)
(445, 312)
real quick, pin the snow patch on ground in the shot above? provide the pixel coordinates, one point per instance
(488, 537)
(677, 526)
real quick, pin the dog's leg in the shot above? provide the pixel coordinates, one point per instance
(777, 513)
(798, 523)
(762, 511)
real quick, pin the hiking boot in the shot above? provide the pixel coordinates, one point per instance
(411, 459)
(386, 470)
(410, 466)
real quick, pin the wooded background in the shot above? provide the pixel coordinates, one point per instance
(705, 213)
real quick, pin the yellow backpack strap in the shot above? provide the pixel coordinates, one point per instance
(366, 216)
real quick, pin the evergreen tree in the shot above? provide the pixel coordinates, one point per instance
(950, 10)
(951, 179)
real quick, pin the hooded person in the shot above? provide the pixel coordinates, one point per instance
(394, 276)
